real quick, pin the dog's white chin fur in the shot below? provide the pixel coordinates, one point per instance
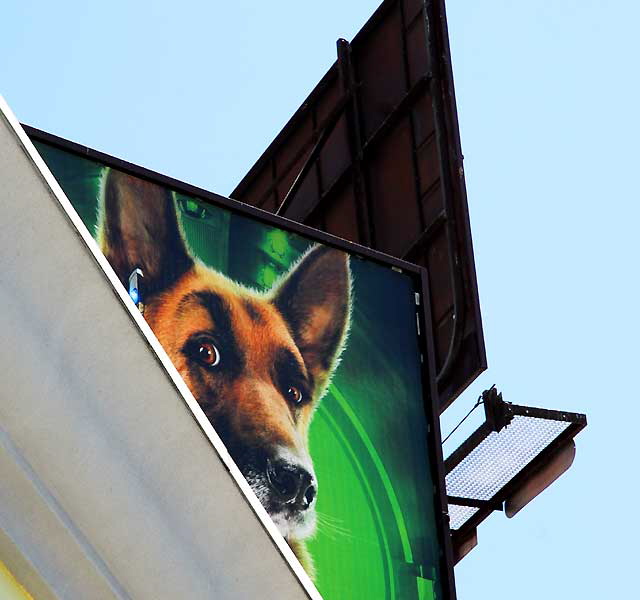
(298, 527)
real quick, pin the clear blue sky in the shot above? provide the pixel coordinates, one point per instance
(547, 98)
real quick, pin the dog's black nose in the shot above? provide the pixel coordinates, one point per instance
(292, 484)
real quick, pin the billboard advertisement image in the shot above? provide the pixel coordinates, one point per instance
(305, 356)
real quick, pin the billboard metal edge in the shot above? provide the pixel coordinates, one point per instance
(218, 200)
(447, 124)
(435, 443)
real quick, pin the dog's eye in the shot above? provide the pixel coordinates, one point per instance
(208, 354)
(294, 395)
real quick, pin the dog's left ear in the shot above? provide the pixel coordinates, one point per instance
(315, 300)
(138, 227)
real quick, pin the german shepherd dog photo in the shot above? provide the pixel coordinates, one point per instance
(257, 363)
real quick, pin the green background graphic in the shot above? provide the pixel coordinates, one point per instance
(377, 534)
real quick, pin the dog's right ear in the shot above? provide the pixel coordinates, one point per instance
(138, 228)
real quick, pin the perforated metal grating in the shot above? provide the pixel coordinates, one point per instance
(458, 515)
(496, 460)
(501, 456)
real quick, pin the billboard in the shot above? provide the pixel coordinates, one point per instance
(308, 356)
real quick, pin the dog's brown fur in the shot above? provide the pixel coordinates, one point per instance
(272, 346)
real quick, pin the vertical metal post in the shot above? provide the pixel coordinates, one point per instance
(366, 227)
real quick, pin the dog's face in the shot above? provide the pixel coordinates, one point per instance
(257, 363)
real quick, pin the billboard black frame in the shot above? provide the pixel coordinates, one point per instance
(423, 311)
